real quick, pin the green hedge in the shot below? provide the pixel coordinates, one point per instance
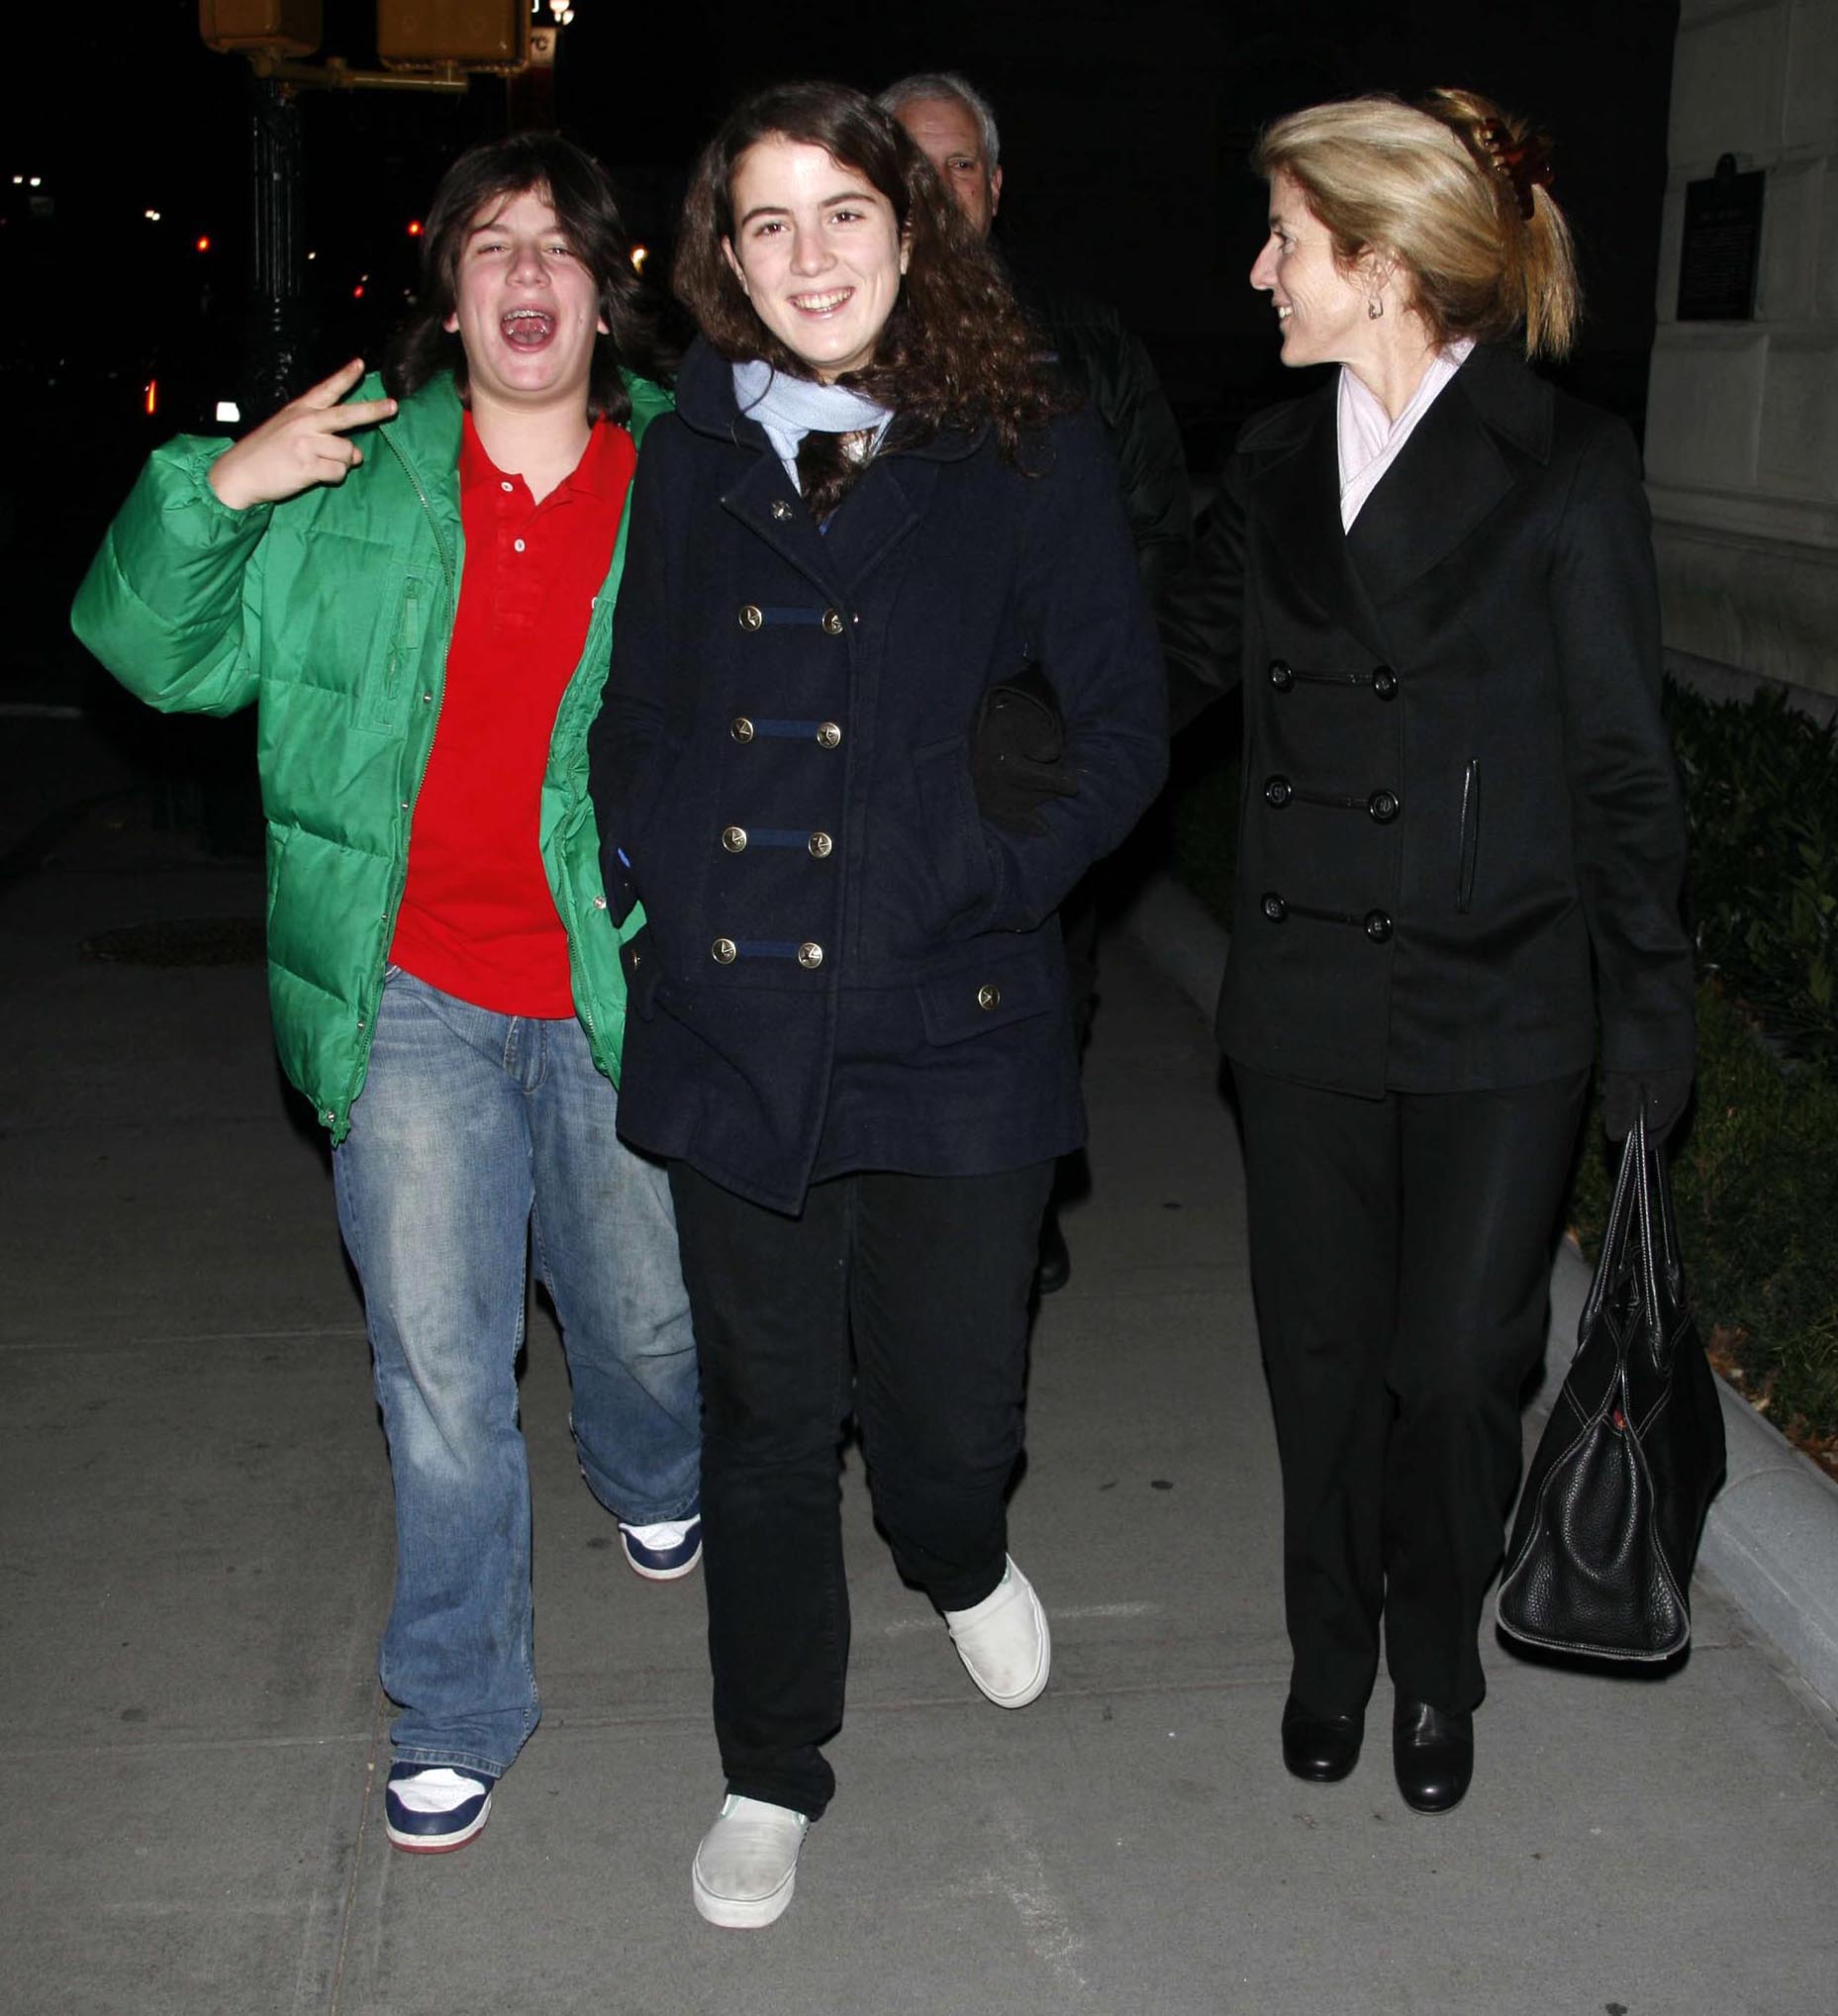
(1761, 793)
(1757, 1169)
(1754, 1180)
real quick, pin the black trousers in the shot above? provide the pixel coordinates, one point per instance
(1401, 1253)
(929, 1278)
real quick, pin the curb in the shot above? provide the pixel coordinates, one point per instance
(1770, 1542)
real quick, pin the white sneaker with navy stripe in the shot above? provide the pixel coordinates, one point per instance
(429, 1809)
(663, 1552)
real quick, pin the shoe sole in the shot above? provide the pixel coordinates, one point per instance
(741, 1914)
(1036, 1687)
(438, 1844)
(664, 1574)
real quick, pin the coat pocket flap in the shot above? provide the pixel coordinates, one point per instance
(978, 1000)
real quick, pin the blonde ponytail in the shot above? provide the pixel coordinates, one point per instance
(1538, 262)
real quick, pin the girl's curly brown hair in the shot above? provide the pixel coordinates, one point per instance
(955, 352)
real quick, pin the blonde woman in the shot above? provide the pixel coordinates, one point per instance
(1458, 880)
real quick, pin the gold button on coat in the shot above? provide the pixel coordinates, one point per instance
(740, 728)
(832, 621)
(750, 617)
(827, 735)
(809, 955)
(819, 846)
(724, 951)
(733, 838)
(988, 996)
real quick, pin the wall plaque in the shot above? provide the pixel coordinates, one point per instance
(1721, 249)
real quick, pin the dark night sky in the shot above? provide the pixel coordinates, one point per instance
(1125, 133)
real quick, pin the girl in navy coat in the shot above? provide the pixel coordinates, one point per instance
(864, 548)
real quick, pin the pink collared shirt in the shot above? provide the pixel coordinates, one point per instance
(1370, 440)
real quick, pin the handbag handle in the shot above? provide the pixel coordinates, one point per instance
(1611, 1260)
(1668, 1314)
(1641, 1241)
(1666, 1227)
(1650, 1177)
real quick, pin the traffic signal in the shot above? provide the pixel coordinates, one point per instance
(283, 28)
(479, 34)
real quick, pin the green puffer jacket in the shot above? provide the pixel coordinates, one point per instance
(333, 612)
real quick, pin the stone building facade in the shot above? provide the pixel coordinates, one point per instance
(1742, 416)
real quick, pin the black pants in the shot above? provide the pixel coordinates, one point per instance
(1401, 1253)
(931, 1276)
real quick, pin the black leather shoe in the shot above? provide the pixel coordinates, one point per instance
(1433, 1754)
(1322, 1748)
(1054, 1268)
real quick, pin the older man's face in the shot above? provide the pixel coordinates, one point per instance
(949, 136)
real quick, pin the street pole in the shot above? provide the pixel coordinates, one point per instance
(274, 364)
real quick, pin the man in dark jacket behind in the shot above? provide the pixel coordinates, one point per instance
(442, 964)
(956, 130)
(956, 127)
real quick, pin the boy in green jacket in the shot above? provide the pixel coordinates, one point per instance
(415, 588)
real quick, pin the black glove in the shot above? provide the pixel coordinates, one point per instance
(1017, 753)
(1662, 1096)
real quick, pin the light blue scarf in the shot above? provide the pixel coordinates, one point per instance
(790, 408)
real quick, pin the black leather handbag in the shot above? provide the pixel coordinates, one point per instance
(1614, 1502)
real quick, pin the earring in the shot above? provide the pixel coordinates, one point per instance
(1375, 307)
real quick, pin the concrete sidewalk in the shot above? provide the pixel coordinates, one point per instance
(197, 1551)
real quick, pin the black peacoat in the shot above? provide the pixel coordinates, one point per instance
(844, 965)
(1461, 837)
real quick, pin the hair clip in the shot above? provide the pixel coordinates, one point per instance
(1525, 163)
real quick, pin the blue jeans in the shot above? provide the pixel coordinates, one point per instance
(473, 1130)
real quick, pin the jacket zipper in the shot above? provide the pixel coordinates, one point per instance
(1470, 835)
(581, 1006)
(433, 524)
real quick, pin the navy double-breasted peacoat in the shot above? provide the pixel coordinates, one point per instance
(1460, 838)
(844, 965)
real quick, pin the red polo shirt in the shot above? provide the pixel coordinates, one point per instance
(477, 917)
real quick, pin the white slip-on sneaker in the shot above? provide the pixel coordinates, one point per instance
(746, 1866)
(1003, 1641)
